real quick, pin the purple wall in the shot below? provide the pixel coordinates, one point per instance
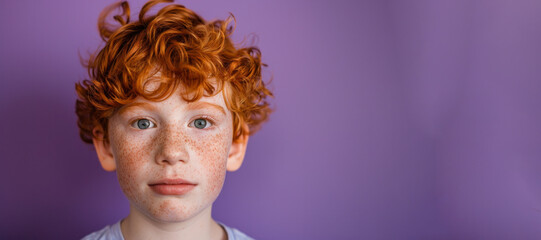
(395, 120)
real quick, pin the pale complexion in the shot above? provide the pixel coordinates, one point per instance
(172, 139)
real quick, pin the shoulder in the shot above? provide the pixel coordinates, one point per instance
(110, 232)
(235, 234)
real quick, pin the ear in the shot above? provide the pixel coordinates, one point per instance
(236, 153)
(103, 149)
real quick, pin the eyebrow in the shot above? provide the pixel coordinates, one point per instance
(191, 106)
(136, 104)
(199, 105)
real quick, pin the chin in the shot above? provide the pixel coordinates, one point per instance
(170, 211)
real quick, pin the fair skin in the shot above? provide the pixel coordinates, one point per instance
(171, 159)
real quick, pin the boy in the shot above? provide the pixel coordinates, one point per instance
(169, 106)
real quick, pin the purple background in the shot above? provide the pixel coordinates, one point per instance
(394, 120)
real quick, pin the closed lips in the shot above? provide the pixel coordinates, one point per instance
(171, 182)
(172, 186)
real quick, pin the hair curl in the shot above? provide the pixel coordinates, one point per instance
(186, 51)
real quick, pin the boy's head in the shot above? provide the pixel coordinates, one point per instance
(169, 105)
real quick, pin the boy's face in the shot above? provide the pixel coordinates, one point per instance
(171, 157)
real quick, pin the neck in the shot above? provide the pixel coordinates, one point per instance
(139, 226)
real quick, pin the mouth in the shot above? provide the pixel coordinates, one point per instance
(169, 186)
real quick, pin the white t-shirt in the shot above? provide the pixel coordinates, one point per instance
(112, 232)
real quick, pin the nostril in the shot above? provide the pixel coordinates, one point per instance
(172, 155)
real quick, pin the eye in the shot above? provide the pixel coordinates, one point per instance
(143, 124)
(201, 123)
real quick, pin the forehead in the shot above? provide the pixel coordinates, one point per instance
(177, 98)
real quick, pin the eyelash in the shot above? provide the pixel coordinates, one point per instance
(205, 117)
(134, 123)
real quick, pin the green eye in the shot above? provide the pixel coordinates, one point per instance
(200, 123)
(144, 124)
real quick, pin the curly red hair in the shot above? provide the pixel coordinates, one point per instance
(186, 51)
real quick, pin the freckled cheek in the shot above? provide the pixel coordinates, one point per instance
(213, 160)
(130, 158)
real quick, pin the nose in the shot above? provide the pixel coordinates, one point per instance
(171, 146)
